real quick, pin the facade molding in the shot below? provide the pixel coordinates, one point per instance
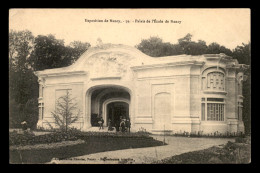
(164, 91)
(162, 65)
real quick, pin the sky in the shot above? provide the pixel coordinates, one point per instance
(228, 27)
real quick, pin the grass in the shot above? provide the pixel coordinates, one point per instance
(238, 152)
(93, 143)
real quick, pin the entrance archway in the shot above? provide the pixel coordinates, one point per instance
(97, 99)
(114, 108)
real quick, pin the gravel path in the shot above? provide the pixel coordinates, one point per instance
(176, 146)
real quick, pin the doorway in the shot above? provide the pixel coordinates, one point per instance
(115, 110)
(97, 100)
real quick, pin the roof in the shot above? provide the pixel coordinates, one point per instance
(124, 56)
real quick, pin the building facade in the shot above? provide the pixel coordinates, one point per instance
(173, 93)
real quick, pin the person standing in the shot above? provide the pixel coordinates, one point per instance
(117, 124)
(110, 128)
(101, 122)
(24, 125)
(123, 125)
(128, 124)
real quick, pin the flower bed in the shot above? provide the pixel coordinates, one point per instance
(209, 135)
(72, 135)
(30, 139)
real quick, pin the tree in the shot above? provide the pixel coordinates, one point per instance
(243, 55)
(30, 112)
(247, 103)
(20, 47)
(185, 40)
(48, 53)
(23, 87)
(64, 114)
(215, 48)
(23, 84)
(26, 55)
(78, 48)
(151, 47)
(193, 48)
(155, 47)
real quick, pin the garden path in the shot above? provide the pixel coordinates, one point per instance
(176, 146)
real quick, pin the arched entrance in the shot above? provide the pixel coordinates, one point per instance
(107, 101)
(114, 109)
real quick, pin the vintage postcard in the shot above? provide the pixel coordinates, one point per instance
(129, 86)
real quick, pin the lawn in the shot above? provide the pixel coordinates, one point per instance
(238, 152)
(41, 149)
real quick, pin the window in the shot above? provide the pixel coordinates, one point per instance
(240, 111)
(212, 109)
(215, 81)
(41, 110)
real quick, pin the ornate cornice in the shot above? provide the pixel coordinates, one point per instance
(214, 92)
(180, 63)
(238, 67)
(43, 75)
(107, 78)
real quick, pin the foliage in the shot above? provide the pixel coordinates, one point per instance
(155, 47)
(23, 85)
(49, 52)
(185, 40)
(190, 47)
(64, 112)
(31, 139)
(20, 47)
(215, 48)
(142, 131)
(95, 142)
(193, 48)
(230, 153)
(247, 103)
(78, 48)
(30, 112)
(215, 134)
(72, 134)
(245, 139)
(243, 53)
(28, 54)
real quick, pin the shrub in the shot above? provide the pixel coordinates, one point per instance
(215, 134)
(31, 139)
(64, 113)
(72, 134)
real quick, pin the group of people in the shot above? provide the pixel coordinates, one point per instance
(122, 125)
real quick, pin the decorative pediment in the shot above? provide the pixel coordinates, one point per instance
(107, 64)
(116, 60)
(102, 61)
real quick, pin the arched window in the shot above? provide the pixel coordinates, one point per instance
(213, 79)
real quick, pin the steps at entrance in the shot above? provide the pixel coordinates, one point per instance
(96, 129)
